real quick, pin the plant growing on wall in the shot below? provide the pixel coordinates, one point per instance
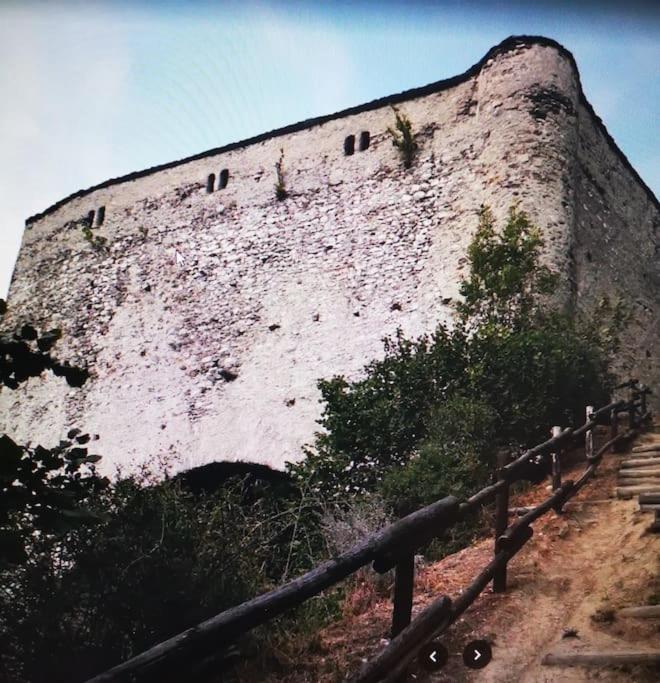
(97, 242)
(280, 187)
(403, 137)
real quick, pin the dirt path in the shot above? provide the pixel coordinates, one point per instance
(610, 564)
(576, 571)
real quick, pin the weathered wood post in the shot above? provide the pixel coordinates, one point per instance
(614, 428)
(404, 582)
(633, 397)
(501, 520)
(556, 461)
(643, 392)
(589, 436)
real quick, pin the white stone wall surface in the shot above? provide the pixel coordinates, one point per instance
(208, 319)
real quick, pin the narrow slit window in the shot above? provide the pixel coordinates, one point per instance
(90, 218)
(210, 182)
(100, 216)
(365, 139)
(224, 179)
(349, 145)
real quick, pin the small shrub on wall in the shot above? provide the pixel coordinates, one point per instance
(280, 186)
(403, 137)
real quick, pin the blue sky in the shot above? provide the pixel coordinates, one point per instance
(92, 90)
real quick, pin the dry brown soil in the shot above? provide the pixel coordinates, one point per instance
(576, 571)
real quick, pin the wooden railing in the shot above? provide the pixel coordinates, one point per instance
(394, 547)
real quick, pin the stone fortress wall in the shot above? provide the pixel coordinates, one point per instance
(209, 317)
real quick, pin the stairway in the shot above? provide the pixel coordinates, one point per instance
(639, 475)
(601, 649)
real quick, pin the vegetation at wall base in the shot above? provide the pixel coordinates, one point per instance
(427, 419)
(144, 557)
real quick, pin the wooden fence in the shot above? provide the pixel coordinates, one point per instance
(394, 547)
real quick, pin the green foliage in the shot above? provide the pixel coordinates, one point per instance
(41, 490)
(44, 490)
(161, 560)
(97, 242)
(25, 353)
(280, 186)
(507, 282)
(453, 459)
(403, 137)
(428, 418)
(374, 423)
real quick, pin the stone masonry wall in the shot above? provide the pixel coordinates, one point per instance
(614, 250)
(209, 317)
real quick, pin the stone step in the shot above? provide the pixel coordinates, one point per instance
(639, 482)
(641, 612)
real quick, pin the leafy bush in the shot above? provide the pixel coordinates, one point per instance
(43, 491)
(510, 367)
(25, 353)
(374, 423)
(162, 560)
(453, 459)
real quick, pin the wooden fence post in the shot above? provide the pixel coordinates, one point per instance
(589, 436)
(642, 388)
(631, 413)
(614, 428)
(404, 582)
(556, 462)
(501, 521)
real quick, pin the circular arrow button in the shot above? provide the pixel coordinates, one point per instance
(433, 656)
(477, 654)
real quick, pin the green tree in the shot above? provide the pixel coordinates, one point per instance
(524, 364)
(507, 283)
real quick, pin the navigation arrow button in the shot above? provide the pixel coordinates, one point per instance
(433, 656)
(477, 654)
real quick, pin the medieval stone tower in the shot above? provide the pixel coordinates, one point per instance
(213, 307)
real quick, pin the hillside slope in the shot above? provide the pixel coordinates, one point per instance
(575, 573)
